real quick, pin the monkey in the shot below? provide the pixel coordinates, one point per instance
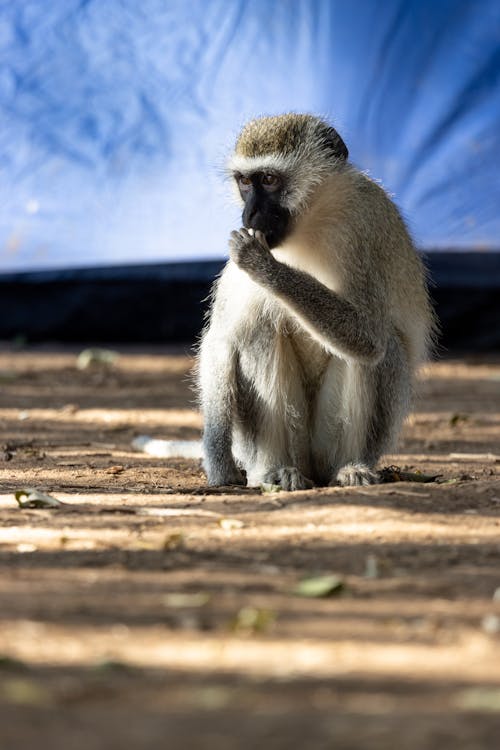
(318, 321)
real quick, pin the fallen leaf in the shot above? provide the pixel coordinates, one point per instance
(36, 499)
(96, 356)
(395, 474)
(229, 524)
(25, 692)
(26, 548)
(69, 408)
(371, 567)
(115, 469)
(479, 699)
(265, 487)
(173, 541)
(180, 599)
(455, 419)
(212, 698)
(252, 620)
(319, 586)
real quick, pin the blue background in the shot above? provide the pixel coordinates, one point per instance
(117, 117)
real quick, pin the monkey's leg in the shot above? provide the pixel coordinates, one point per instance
(272, 440)
(278, 453)
(358, 415)
(384, 392)
(286, 458)
(217, 386)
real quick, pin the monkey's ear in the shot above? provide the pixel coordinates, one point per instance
(336, 144)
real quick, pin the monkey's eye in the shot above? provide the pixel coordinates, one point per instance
(244, 182)
(270, 181)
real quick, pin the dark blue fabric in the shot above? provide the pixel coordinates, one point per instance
(116, 116)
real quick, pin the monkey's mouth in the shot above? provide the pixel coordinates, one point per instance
(275, 238)
(274, 235)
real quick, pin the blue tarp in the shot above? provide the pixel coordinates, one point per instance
(116, 116)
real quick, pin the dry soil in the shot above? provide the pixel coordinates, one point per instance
(149, 611)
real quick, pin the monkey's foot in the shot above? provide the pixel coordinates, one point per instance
(355, 475)
(289, 478)
(222, 477)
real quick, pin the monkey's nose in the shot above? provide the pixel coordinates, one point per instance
(251, 218)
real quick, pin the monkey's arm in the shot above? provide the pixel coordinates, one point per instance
(216, 372)
(355, 330)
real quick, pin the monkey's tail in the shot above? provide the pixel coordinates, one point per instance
(168, 448)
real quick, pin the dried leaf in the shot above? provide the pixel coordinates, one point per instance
(395, 474)
(26, 547)
(229, 524)
(69, 408)
(36, 499)
(115, 469)
(480, 699)
(265, 488)
(173, 541)
(319, 586)
(252, 620)
(181, 600)
(212, 698)
(371, 567)
(455, 419)
(96, 356)
(25, 692)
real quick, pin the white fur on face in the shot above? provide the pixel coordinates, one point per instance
(300, 175)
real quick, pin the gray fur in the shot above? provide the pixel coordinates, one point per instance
(307, 363)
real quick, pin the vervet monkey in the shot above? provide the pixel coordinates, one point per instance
(318, 320)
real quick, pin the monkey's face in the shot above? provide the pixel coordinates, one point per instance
(262, 194)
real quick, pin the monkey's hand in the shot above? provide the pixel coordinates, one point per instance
(251, 252)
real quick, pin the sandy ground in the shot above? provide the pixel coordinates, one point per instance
(149, 611)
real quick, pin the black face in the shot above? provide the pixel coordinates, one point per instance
(262, 194)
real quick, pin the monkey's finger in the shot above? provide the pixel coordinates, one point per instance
(236, 239)
(261, 237)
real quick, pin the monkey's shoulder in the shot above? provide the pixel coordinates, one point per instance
(379, 208)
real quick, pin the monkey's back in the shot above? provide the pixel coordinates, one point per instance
(364, 251)
(405, 275)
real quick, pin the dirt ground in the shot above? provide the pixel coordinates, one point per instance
(150, 612)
